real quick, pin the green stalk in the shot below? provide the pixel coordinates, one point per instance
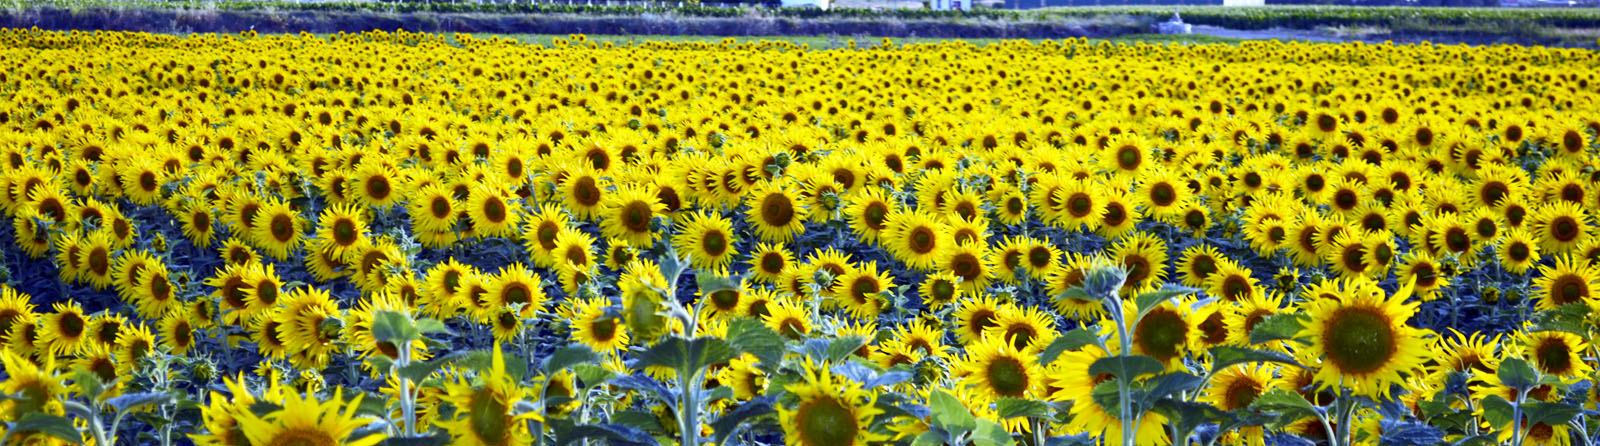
(689, 410)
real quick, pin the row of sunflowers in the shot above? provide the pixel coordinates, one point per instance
(418, 239)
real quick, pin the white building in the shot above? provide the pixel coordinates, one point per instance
(946, 5)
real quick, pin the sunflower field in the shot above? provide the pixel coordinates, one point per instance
(415, 239)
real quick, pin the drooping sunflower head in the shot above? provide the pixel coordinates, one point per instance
(831, 411)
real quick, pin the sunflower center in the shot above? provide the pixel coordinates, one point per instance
(1007, 377)
(922, 240)
(715, 243)
(1015, 206)
(1359, 340)
(982, 320)
(440, 207)
(1570, 289)
(493, 210)
(1079, 204)
(488, 419)
(1128, 158)
(1554, 356)
(71, 325)
(344, 232)
(585, 191)
(378, 188)
(302, 437)
(1039, 257)
(776, 210)
(517, 294)
(1236, 287)
(147, 181)
(1241, 392)
(772, 263)
(1162, 194)
(547, 234)
(603, 329)
(636, 217)
(1021, 336)
(1161, 334)
(1194, 219)
(1456, 240)
(863, 289)
(1327, 123)
(1518, 251)
(725, 300)
(1115, 215)
(826, 421)
(1564, 229)
(943, 291)
(875, 214)
(282, 227)
(387, 349)
(966, 266)
(1214, 330)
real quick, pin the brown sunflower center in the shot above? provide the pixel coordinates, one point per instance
(1161, 334)
(826, 421)
(1554, 356)
(1359, 340)
(777, 210)
(1007, 376)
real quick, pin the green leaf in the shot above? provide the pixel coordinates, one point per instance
(1278, 327)
(989, 433)
(1289, 406)
(950, 414)
(1566, 318)
(1162, 386)
(1551, 414)
(1517, 374)
(1009, 408)
(1224, 356)
(724, 426)
(126, 403)
(568, 357)
(1075, 293)
(1072, 340)
(393, 327)
(1149, 301)
(590, 375)
(432, 326)
(686, 355)
(1126, 367)
(1497, 411)
(753, 337)
(55, 426)
(483, 361)
(844, 347)
(929, 438)
(439, 439)
(88, 383)
(1186, 416)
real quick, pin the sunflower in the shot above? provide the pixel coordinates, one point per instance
(1027, 329)
(1363, 335)
(769, 261)
(199, 225)
(1198, 263)
(1518, 251)
(1556, 353)
(490, 211)
(39, 387)
(1243, 317)
(539, 234)
(515, 286)
(1071, 381)
(276, 229)
(134, 343)
(1571, 280)
(917, 239)
(627, 215)
(1475, 353)
(95, 254)
(597, 327)
(787, 320)
(939, 289)
(1234, 388)
(573, 247)
(177, 331)
(1424, 272)
(343, 227)
(830, 411)
(868, 212)
(1075, 204)
(858, 289)
(707, 239)
(14, 308)
(975, 316)
(65, 331)
(775, 212)
(742, 375)
(302, 420)
(1144, 256)
(358, 332)
(970, 262)
(1561, 226)
(1160, 193)
(434, 209)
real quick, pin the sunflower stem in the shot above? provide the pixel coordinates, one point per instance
(1516, 417)
(689, 411)
(407, 406)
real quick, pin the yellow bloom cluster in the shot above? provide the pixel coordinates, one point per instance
(268, 196)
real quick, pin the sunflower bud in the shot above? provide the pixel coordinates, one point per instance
(928, 371)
